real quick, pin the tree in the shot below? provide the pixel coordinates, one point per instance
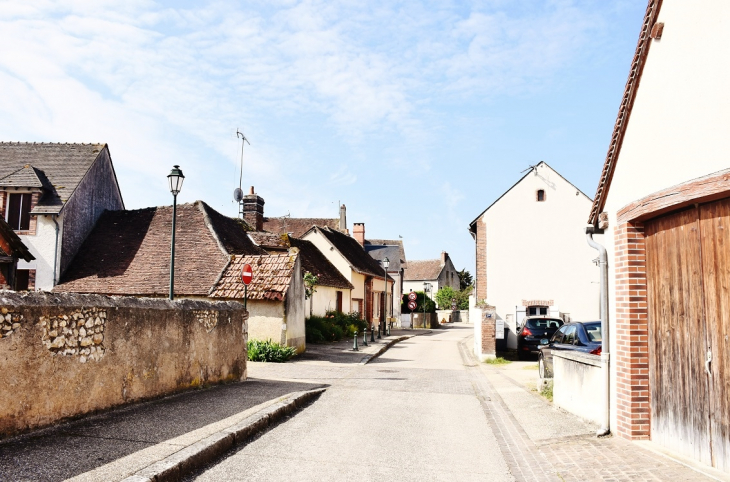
(444, 296)
(465, 279)
(430, 305)
(310, 287)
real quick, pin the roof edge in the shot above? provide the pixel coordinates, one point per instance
(624, 113)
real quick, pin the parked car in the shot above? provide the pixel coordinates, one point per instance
(578, 336)
(532, 330)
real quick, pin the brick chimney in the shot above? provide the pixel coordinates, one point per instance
(444, 255)
(358, 232)
(343, 218)
(253, 210)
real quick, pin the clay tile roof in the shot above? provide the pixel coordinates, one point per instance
(128, 253)
(298, 226)
(272, 275)
(59, 168)
(624, 112)
(316, 263)
(17, 248)
(270, 241)
(428, 269)
(355, 254)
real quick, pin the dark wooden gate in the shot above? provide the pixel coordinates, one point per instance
(688, 277)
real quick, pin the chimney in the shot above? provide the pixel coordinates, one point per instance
(343, 218)
(444, 255)
(253, 210)
(358, 232)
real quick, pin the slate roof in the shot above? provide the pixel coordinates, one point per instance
(390, 242)
(428, 269)
(298, 226)
(128, 252)
(624, 111)
(316, 263)
(58, 168)
(17, 248)
(272, 276)
(360, 261)
(379, 251)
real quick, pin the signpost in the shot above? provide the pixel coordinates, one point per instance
(246, 277)
(412, 304)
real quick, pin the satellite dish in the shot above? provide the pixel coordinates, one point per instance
(238, 195)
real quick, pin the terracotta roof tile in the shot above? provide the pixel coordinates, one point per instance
(298, 226)
(428, 269)
(272, 275)
(353, 252)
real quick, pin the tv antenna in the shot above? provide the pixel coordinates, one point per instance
(238, 192)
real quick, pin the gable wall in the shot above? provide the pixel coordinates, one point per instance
(95, 193)
(538, 250)
(677, 132)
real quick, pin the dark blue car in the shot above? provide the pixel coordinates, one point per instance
(578, 336)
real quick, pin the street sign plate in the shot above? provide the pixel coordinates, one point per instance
(412, 296)
(412, 305)
(247, 274)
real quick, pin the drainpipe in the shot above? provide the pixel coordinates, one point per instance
(55, 249)
(603, 263)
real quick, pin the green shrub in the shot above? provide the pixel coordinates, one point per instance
(430, 305)
(268, 351)
(333, 326)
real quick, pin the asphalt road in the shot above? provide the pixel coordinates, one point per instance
(412, 414)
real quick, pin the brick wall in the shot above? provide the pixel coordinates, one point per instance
(631, 355)
(489, 340)
(481, 258)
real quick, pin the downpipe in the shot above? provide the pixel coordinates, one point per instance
(605, 357)
(55, 249)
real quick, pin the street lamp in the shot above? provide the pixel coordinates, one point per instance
(426, 289)
(386, 263)
(175, 178)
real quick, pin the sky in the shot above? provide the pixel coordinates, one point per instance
(414, 114)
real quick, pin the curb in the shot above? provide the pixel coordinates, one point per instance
(210, 448)
(368, 358)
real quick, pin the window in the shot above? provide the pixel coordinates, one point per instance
(339, 301)
(18, 215)
(357, 306)
(558, 337)
(22, 279)
(540, 195)
(570, 336)
(537, 310)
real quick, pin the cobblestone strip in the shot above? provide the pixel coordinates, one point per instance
(524, 459)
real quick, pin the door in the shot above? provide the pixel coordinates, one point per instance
(339, 302)
(688, 289)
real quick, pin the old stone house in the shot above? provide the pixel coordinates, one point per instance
(663, 202)
(372, 288)
(531, 254)
(128, 253)
(52, 195)
(438, 272)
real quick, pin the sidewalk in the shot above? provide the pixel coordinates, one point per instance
(118, 443)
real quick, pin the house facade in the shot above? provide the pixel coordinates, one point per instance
(392, 249)
(372, 290)
(438, 272)
(52, 195)
(663, 202)
(531, 254)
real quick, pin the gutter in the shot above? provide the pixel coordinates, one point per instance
(55, 250)
(605, 358)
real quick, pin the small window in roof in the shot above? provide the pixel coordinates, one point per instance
(540, 195)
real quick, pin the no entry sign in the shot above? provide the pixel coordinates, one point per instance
(412, 296)
(247, 274)
(412, 305)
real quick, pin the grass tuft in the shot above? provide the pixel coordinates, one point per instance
(497, 361)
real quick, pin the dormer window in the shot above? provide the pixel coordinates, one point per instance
(540, 195)
(18, 212)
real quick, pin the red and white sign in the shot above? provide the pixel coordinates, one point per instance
(412, 296)
(412, 305)
(247, 274)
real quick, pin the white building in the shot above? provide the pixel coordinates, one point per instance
(531, 253)
(439, 273)
(663, 202)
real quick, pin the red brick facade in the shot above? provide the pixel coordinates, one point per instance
(481, 258)
(631, 357)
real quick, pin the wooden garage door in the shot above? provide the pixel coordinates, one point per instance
(688, 272)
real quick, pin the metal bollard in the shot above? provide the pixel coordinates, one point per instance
(379, 331)
(372, 334)
(354, 343)
(365, 337)
(388, 326)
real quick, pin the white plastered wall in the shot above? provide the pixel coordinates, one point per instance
(679, 124)
(538, 250)
(325, 299)
(43, 246)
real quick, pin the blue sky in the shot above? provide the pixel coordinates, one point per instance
(416, 115)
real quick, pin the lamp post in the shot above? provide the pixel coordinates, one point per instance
(426, 289)
(175, 178)
(386, 263)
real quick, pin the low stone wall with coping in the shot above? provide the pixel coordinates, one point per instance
(64, 355)
(578, 384)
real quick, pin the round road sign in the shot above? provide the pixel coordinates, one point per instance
(412, 296)
(247, 274)
(412, 305)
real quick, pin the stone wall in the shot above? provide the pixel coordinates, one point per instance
(64, 355)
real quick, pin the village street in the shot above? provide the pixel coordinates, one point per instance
(425, 410)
